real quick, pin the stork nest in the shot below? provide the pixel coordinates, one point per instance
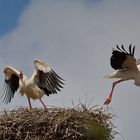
(56, 124)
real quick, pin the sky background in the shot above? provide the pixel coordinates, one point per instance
(76, 38)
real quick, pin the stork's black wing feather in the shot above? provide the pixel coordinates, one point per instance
(133, 50)
(10, 87)
(50, 82)
(120, 55)
(117, 59)
(130, 49)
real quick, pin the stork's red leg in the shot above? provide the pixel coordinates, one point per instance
(108, 100)
(42, 103)
(29, 103)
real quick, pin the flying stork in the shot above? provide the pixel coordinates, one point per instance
(126, 68)
(44, 81)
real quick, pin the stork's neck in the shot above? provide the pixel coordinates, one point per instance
(22, 83)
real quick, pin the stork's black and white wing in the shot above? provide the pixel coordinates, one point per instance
(121, 59)
(11, 84)
(46, 78)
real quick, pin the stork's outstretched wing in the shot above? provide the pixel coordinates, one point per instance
(121, 59)
(46, 79)
(11, 84)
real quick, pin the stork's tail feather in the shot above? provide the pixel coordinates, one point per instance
(107, 77)
(113, 75)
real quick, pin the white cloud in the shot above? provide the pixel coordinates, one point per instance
(76, 39)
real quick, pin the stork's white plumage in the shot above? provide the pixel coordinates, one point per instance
(44, 81)
(127, 68)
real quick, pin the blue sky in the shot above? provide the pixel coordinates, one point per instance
(10, 11)
(76, 38)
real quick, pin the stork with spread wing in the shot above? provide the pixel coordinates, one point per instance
(44, 81)
(126, 65)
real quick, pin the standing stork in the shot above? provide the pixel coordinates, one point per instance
(44, 81)
(127, 68)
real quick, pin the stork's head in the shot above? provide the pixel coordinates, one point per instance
(20, 75)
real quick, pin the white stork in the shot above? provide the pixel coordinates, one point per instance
(127, 68)
(44, 81)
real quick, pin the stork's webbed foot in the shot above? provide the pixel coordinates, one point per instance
(108, 100)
